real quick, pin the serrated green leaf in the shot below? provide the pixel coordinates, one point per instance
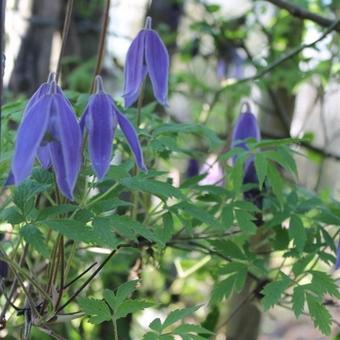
(131, 306)
(100, 234)
(272, 292)
(324, 283)
(228, 248)
(244, 220)
(227, 216)
(275, 181)
(222, 289)
(298, 300)
(297, 232)
(261, 167)
(199, 214)
(191, 328)
(163, 190)
(125, 290)
(319, 314)
(125, 223)
(55, 211)
(178, 314)
(97, 310)
(110, 298)
(34, 237)
(156, 325)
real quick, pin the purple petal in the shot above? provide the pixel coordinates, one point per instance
(132, 138)
(134, 71)
(68, 133)
(29, 137)
(100, 124)
(337, 264)
(44, 156)
(250, 175)
(157, 61)
(10, 179)
(57, 159)
(246, 127)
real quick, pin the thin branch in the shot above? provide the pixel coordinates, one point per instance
(101, 45)
(302, 13)
(66, 29)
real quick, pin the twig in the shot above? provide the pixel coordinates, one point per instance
(301, 13)
(101, 45)
(292, 53)
(66, 29)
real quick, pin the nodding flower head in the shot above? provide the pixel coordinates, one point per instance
(49, 130)
(100, 118)
(247, 127)
(146, 55)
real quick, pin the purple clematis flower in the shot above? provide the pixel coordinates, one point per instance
(100, 118)
(247, 127)
(146, 55)
(49, 130)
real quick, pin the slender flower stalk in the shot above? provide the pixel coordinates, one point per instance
(49, 131)
(147, 55)
(100, 118)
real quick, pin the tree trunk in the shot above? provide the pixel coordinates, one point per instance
(32, 65)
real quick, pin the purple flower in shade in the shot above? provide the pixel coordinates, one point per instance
(100, 118)
(146, 55)
(337, 263)
(247, 127)
(49, 130)
(193, 168)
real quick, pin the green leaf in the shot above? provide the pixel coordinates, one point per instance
(191, 328)
(222, 289)
(323, 283)
(55, 211)
(178, 314)
(227, 216)
(199, 214)
(228, 248)
(125, 290)
(272, 292)
(319, 314)
(97, 310)
(100, 234)
(121, 223)
(298, 300)
(165, 232)
(261, 166)
(297, 232)
(23, 195)
(131, 306)
(275, 181)
(163, 190)
(110, 298)
(244, 220)
(34, 237)
(156, 325)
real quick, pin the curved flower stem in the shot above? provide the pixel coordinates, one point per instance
(115, 329)
(66, 29)
(101, 46)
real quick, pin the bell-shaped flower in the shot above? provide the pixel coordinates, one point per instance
(247, 127)
(100, 118)
(49, 130)
(146, 55)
